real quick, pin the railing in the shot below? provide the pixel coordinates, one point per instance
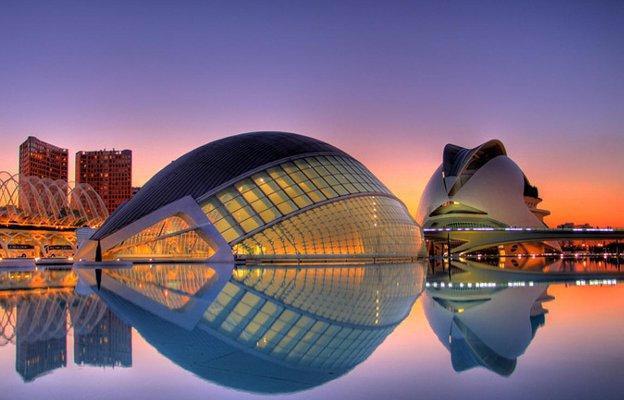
(522, 229)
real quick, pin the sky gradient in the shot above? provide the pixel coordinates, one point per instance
(389, 82)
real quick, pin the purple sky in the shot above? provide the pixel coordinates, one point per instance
(389, 82)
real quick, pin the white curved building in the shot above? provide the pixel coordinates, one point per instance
(479, 188)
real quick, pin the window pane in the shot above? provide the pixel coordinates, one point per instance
(270, 214)
(287, 207)
(329, 192)
(243, 213)
(278, 197)
(245, 185)
(251, 223)
(261, 204)
(302, 201)
(298, 176)
(289, 167)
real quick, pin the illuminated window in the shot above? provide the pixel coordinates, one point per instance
(171, 237)
(282, 190)
(372, 226)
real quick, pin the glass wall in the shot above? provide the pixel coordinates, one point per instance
(243, 209)
(169, 238)
(369, 225)
(320, 205)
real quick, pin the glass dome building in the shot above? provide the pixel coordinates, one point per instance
(260, 195)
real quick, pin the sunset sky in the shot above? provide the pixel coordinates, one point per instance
(389, 82)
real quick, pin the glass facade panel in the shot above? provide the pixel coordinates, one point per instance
(284, 189)
(169, 238)
(370, 225)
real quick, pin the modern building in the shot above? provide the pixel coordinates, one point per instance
(109, 172)
(39, 216)
(482, 188)
(43, 160)
(260, 195)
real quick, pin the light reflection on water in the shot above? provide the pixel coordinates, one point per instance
(364, 331)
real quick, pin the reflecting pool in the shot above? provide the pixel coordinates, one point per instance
(181, 331)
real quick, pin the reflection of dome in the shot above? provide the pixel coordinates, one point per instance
(479, 187)
(486, 327)
(268, 330)
(261, 194)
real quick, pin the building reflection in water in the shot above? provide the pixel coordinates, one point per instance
(487, 327)
(557, 264)
(41, 335)
(104, 342)
(264, 329)
(39, 310)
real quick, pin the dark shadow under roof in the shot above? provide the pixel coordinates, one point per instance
(209, 166)
(456, 158)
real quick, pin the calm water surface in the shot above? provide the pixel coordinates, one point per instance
(190, 331)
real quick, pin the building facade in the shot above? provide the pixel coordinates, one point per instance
(482, 188)
(109, 172)
(261, 195)
(43, 160)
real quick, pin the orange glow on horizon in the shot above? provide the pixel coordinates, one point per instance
(583, 188)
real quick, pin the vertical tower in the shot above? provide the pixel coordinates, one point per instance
(38, 158)
(109, 172)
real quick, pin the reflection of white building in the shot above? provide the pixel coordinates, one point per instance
(486, 327)
(481, 187)
(260, 195)
(266, 330)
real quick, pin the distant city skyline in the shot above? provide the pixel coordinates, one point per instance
(411, 202)
(389, 84)
(108, 172)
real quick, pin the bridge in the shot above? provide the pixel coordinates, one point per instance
(473, 239)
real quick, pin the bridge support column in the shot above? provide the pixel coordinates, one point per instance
(448, 247)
